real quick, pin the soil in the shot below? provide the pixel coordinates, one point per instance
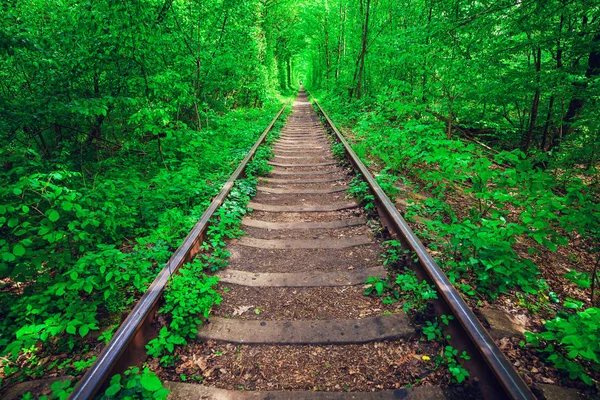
(346, 302)
(365, 367)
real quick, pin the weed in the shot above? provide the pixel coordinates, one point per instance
(377, 285)
(189, 296)
(134, 384)
(394, 253)
(433, 330)
(387, 183)
(570, 342)
(339, 152)
(415, 294)
(359, 189)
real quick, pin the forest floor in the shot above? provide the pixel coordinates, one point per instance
(525, 312)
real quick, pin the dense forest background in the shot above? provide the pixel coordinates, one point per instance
(518, 73)
(119, 120)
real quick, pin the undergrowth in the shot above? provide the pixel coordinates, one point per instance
(191, 294)
(77, 247)
(512, 199)
(416, 297)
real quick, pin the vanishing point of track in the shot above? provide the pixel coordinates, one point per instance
(304, 237)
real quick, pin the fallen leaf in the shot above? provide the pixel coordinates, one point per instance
(241, 309)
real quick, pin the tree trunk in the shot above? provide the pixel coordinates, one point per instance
(559, 52)
(360, 67)
(450, 118)
(536, 101)
(289, 73)
(577, 102)
(326, 34)
(547, 125)
(340, 40)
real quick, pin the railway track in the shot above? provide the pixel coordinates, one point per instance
(293, 322)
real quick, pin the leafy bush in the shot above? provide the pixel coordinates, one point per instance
(135, 384)
(416, 294)
(189, 297)
(360, 190)
(571, 343)
(484, 253)
(82, 246)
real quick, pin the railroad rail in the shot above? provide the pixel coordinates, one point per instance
(304, 147)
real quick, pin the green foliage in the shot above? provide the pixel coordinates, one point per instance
(394, 253)
(134, 385)
(360, 190)
(570, 342)
(339, 152)
(484, 252)
(84, 245)
(581, 279)
(450, 357)
(433, 330)
(387, 183)
(188, 298)
(415, 294)
(376, 285)
(259, 165)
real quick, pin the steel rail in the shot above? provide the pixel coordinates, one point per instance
(509, 380)
(110, 359)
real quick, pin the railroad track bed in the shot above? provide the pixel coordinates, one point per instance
(293, 321)
(294, 287)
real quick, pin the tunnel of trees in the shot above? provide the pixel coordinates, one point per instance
(120, 120)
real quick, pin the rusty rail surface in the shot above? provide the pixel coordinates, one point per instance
(128, 345)
(496, 377)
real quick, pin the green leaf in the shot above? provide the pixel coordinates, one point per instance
(548, 335)
(573, 353)
(113, 389)
(53, 215)
(8, 257)
(19, 250)
(71, 329)
(83, 330)
(150, 382)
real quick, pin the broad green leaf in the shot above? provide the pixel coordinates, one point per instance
(150, 382)
(113, 389)
(18, 250)
(83, 330)
(53, 215)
